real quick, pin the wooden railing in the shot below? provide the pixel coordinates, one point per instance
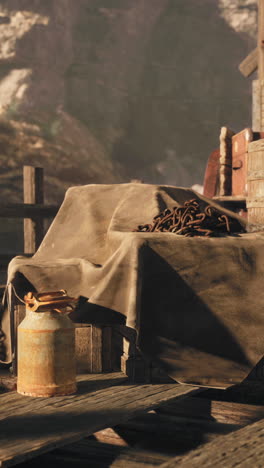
(33, 210)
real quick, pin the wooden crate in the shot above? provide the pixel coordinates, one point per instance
(93, 345)
(240, 143)
(93, 348)
(255, 174)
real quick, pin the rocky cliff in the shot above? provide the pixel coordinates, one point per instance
(102, 91)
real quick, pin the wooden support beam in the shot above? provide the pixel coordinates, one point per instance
(258, 86)
(256, 106)
(33, 193)
(261, 39)
(249, 64)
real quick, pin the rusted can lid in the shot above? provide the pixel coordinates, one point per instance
(54, 300)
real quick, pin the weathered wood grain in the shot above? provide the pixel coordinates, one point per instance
(131, 442)
(255, 176)
(13, 402)
(243, 448)
(240, 143)
(258, 86)
(256, 106)
(83, 348)
(211, 176)
(212, 410)
(33, 193)
(30, 426)
(92, 454)
(101, 346)
(93, 348)
(225, 162)
(260, 39)
(249, 64)
(257, 145)
(170, 433)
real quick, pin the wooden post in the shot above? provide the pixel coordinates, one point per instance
(133, 364)
(255, 60)
(34, 194)
(261, 39)
(256, 106)
(258, 86)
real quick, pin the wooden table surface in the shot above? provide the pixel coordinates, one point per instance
(31, 426)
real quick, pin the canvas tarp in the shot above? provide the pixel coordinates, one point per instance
(196, 303)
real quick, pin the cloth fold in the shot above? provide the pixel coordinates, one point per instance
(196, 302)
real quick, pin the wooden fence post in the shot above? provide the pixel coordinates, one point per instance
(34, 194)
(258, 86)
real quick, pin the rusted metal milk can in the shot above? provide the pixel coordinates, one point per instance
(46, 346)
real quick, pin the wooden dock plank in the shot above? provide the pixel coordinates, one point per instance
(31, 426)
(13, 402)
(92, 454)
(171, 435)
(243, 448)
(222, 411)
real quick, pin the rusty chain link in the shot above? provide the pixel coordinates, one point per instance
(189, 220)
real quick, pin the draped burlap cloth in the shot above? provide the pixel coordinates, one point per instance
(197, 303)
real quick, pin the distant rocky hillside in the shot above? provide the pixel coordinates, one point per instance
(69, 154)
(102, 91)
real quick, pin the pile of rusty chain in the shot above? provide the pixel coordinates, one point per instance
(189, 221)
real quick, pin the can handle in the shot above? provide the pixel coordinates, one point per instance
(51, 300)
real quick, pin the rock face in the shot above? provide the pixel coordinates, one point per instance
(241, 15)
(108, 90)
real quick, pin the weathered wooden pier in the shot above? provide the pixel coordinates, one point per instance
(113, 421)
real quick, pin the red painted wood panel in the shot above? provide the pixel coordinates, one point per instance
(240, 143)
(211, 176)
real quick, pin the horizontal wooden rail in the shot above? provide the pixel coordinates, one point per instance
(27, 210)
(33, 211)
(232, 198)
